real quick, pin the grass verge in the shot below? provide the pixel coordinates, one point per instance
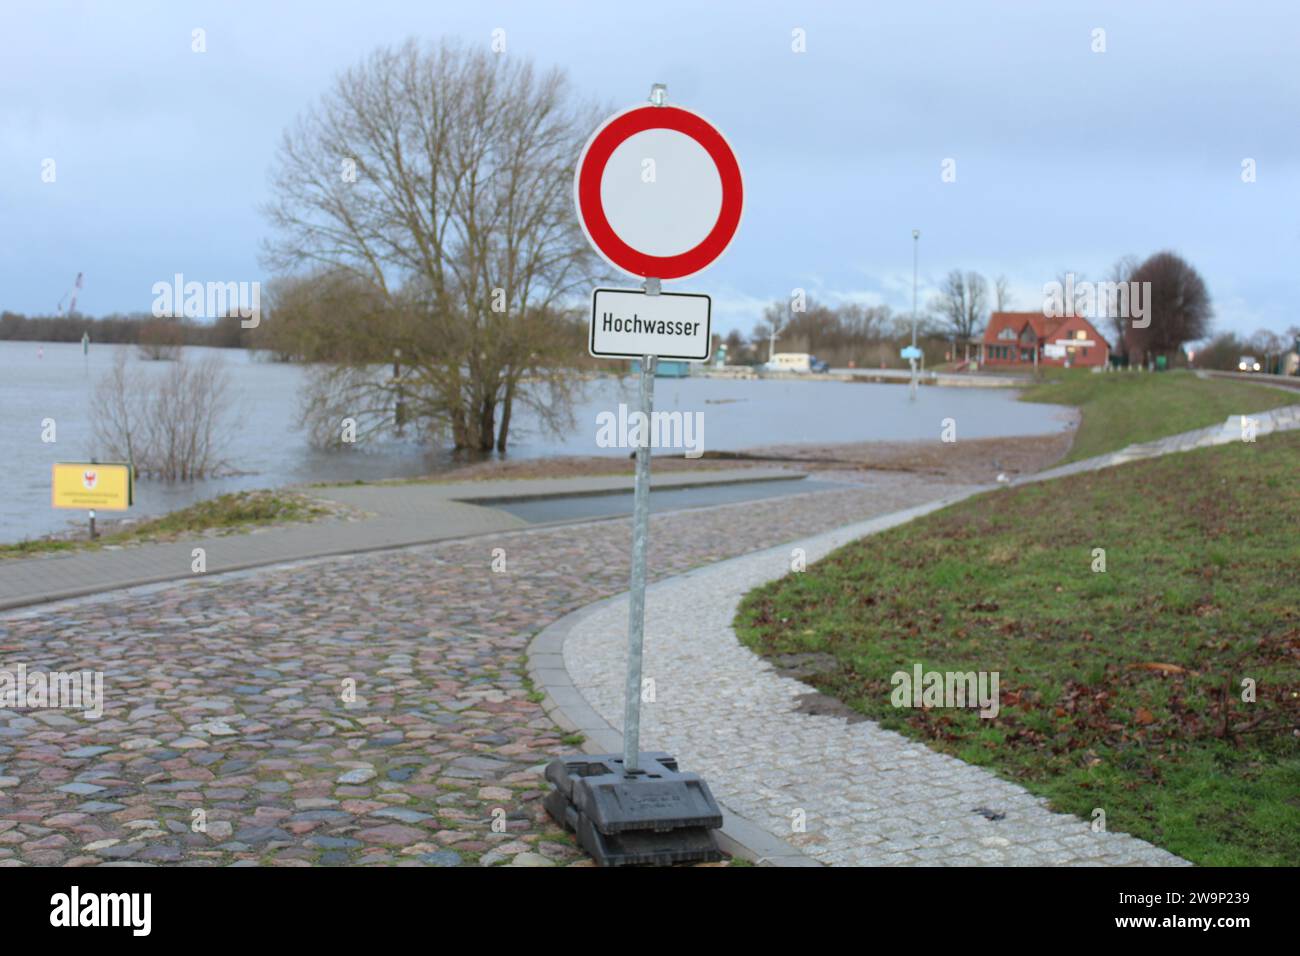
(1122, 408)
(1120, 689)
(232, 511)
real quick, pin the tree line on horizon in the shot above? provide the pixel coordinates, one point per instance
(136, 328)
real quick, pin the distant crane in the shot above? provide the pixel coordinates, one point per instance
(76, 288)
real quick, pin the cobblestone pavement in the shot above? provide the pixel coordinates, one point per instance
(861, 795)
(224, 697)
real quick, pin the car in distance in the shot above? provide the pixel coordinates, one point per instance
(796, 362)
(1247, 363)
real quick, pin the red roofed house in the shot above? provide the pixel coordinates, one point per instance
(1012, 338)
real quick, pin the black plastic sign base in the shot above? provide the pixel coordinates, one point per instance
(656, 815)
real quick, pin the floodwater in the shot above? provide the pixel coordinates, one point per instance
(41, 381)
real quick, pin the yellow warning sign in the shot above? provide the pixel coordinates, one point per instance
(86, 485)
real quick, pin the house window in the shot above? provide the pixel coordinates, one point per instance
(1007, 333)
(1080, 334)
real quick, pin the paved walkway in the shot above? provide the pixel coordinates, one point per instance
(398, 515)
(233, 695)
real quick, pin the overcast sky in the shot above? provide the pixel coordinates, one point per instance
(1065, 158)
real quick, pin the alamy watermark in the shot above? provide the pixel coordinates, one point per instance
(208, 300)
(130, 910)
(924, 688)
(1098, 300)
(662, 430)
(54, 690)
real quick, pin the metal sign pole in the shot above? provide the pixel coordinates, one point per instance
(640, 538)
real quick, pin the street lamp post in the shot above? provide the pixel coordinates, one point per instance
(916, 243)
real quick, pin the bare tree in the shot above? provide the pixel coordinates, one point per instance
(1180, 309)
(1069, 280)
(814, 327)
(864, 323)
(329, 316)
(116, 416)
(961, 304)
(899, 325)
(440, 179)
(1002, 294)
(738, 351)
(1120, 272)
(775, 317)
(1266, 341)
(172, 426)
(1268, 346)
(162, 339)
(187, 426)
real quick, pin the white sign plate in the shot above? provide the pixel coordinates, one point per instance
(627, 323)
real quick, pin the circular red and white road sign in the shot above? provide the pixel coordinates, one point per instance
(659, 192)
